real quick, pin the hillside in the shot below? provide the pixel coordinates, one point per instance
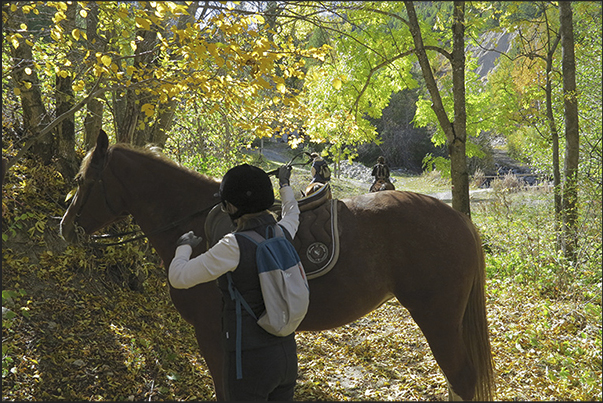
(86, 322)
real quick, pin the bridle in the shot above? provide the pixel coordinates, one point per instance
(163, 228)
(160, 229)
(166, 227)
(89, 191)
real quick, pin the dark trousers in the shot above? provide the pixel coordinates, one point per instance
(269, 373)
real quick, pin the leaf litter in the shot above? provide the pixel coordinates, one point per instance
(74, 330)
(83, 343)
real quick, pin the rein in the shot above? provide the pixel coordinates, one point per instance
(290, 163)
(157, 231)
(175, 223)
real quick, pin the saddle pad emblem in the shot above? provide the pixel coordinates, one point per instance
(317, 252)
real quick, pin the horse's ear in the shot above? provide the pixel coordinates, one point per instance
(100, 150)
(102, 141)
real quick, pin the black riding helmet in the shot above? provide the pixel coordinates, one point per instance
(248, 188)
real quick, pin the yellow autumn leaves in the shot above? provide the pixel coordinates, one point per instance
(228, 60)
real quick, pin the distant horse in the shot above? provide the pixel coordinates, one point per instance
(313, 188)
(392, 244)
(381, 184)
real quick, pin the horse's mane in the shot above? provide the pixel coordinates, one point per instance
(149, 151)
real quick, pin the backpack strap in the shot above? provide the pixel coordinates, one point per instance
(271, 232)
(236, 296)
(253, 236)
(275, 231)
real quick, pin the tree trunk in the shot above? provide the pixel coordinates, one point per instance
(555, 140)
(129, 128)
(67, 162)
(26, 80)
(93, 122)
(572, 136)
(455, 132)
(457, 144)
(165, 114)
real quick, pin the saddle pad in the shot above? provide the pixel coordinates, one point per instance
(316, 241)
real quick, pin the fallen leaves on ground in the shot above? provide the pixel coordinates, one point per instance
(87, 338)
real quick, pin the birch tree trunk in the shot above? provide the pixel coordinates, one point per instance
(456, 132)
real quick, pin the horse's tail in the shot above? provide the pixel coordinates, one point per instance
(475, 330)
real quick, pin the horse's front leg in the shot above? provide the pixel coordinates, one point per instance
(201, 306)
(208, 339)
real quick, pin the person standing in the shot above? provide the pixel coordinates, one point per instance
(268, 362)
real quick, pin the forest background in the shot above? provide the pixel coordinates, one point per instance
(432, 86)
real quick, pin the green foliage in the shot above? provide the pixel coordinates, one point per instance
(516, 88)
(520, 238)
(437, 163)
(545, 309)
(347, 89)
(208, 150)
(401, 143)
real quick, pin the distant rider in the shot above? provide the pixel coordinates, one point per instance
(380, 171)
(320, 169)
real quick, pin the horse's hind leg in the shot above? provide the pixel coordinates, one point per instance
(444, 335)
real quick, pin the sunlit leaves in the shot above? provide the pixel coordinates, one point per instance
(148, 109)
(76, 34)
(226, 59)
(14, 40)
(142, 23)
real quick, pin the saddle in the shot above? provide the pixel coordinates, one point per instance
(317, 238)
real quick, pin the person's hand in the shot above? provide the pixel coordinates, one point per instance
(189, 239)
(283, 175)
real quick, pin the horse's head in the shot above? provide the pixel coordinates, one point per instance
(92, 208)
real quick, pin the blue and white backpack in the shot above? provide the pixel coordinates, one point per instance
(283, 282)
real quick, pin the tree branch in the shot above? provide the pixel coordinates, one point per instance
(373, 71)
(48, 128)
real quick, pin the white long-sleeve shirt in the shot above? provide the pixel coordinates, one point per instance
(223, 257)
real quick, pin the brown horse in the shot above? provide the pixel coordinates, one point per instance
(313, 188)
(381, 184)
(392, 244)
